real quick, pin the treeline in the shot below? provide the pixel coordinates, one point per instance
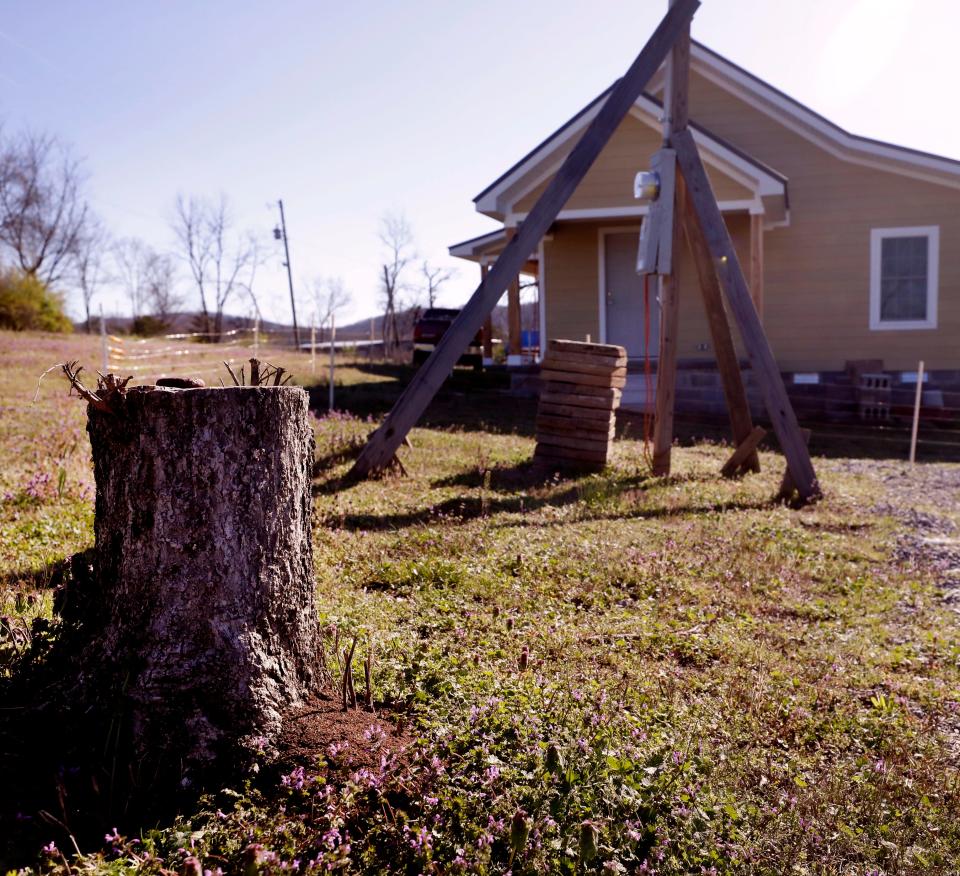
(53, 244)
(44, 218)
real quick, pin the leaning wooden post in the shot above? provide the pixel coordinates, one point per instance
(424, 385)
(917, 400)
(196, 627)
(732, 281)
(728, 365)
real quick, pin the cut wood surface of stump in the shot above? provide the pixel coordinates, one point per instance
(206, 629)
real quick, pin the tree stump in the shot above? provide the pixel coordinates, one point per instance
(199, 615)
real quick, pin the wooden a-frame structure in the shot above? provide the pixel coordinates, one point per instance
(687, 211)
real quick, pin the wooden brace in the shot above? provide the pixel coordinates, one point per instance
(741, 458)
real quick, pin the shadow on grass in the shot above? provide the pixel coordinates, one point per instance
(661, 513)
(467, 400)
(44, 578)
(478, 401)
(939, 442)
(529, 487)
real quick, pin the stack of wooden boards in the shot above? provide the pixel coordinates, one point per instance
(579, 396)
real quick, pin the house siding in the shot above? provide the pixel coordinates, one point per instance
(817, 270)
(570, 269)
(572, 277)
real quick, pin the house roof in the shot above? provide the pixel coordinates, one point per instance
(487, 247)
(766, 98)
(705, 59)
(477, 246)
(746, 169)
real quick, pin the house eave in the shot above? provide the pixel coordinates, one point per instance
(497, 200)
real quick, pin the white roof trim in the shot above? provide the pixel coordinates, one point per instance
(818, 130)
(500, 198)
(469, 248)
(627, 212)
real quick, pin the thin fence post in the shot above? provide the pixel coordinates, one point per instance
(313, 346)
(333, 360)
(917, 399)
(104, 353)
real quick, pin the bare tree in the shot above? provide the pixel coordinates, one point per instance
(161, 279)
(131, 256)
(42, 210)
(435, 277)
(149, 279)
(329, 298)
(90, 263)
(222, 261)
(397, 239)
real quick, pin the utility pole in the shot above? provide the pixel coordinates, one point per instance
(281, 233)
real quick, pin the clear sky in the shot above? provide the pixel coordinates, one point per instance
(346, 110)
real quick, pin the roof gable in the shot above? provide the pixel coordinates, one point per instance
(609, 183)
(769, 185)
(735, 174)
(818, 129)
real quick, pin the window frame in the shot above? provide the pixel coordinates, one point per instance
(877, 236)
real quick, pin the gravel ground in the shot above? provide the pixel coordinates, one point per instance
(925, 500)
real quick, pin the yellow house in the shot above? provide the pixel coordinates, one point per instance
(851, 246)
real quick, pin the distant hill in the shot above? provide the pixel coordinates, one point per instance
(188, 321)
(529, 318)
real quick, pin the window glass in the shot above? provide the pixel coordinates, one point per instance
(903, 278)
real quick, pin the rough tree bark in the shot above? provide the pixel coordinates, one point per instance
(204, 625)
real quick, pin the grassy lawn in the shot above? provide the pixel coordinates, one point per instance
(606, 674)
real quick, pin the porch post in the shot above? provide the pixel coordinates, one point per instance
(486, 333)
(756, 262)
(513, 315)
(514, 347)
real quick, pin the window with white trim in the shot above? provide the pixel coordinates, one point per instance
(904, 265)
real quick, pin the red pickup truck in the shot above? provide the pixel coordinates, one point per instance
(430, 327)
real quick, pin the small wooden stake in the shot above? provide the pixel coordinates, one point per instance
(333, 360)
(104, 353)
(740, 458)
(917, 399)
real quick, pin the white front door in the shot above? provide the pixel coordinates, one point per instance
(623, 296)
